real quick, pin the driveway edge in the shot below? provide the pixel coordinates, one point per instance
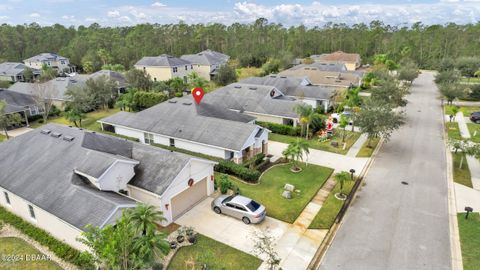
(455, 248)
(322, 250)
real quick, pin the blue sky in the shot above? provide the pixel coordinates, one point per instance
(310, 13)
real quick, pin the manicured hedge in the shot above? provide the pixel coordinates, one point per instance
(280, 128)
(83, 260)
(229, 167)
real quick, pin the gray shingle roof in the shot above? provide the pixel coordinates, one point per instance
(322, 66)
(163, 60)
(16, 102)
(325, 78)
(253, 98)
(111, 75)
(45, 57)
(182, 118)
(207, 57)
(39, 168)
(293, 86)
(11, 69)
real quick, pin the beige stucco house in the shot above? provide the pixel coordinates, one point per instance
(206, 63)
(165, 67)
(55, 61)
(75, 178)
(352, 61)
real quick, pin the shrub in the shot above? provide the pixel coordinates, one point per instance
(229, 167)
(83, 260)
(143, 99)
(54, 111)
(178, 94)
(225, 184)
(280, 128)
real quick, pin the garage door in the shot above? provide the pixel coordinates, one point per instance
(188, 198)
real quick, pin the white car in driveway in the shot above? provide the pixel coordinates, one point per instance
(336, 117)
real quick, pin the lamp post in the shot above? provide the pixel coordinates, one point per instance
(352, 171)
(468, 209)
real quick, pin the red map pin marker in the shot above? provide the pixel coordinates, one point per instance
(198, 93)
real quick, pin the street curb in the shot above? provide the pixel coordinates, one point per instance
(455, 248)
(330, 236)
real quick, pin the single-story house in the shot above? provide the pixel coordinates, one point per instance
(53, 60)
(165, 67)
(343, 79)
(205, 128)
(68, 178)
(298, 88)
(60, 85)
(264, 102)
(351, 60)
(206, 63)
(336, 67)
(13, 72)
(20, 103)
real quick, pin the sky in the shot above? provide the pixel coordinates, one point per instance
(288, 13)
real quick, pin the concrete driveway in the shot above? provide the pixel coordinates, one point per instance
(17, 132)
(295, 245)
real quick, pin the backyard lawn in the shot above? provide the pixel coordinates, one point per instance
(246, 72)
(453, 131)
(214, 254)
(366, 151)
(13, 245)
(314, 143)
(470, 240)
(461, 176)
(474, 130)
(270, 187)
(467, 110)
(330, 208)
(90, 122)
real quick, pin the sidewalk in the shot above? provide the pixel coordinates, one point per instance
(466, 197)
(353, 151)
(473, 162)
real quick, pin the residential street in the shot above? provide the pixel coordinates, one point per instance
(395, 226)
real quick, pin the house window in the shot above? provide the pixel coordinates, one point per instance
(62, 62)
(175, 69)
(32, 212)
(148, 138)
(172, 142)
(48, 63)
(7, 199)
(186, 67)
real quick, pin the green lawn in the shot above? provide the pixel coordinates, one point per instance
(453, 131)
(470, 240)
(471, 80)
(314, 143)
(474, 129)
(90, 122)
(214, 254)
(330, 208)
(2, 138)
(466, 110)
(269, 190)
(461, 176)
(366, 151)
(16, 246)
(245, 72)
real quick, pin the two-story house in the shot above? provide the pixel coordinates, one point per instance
(55, 61)
(165, 67)
(206, 63)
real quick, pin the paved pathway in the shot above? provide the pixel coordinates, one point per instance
(467, 103)
(17, 132)
(466, 196)
(473, 162)
(353, 151)
(391, 226)
(323, 158)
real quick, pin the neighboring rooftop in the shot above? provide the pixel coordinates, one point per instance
(43, 173)
(11, 69)
(16, 102)
(325, 78)
(261, 99)
(45, 57)
(293, 86)
(207, 57)
(211, 124)
(337, 56)
(163, 60)
(338, 67)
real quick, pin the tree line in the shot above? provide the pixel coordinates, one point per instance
(91, 47)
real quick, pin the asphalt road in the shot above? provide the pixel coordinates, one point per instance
(395, 226)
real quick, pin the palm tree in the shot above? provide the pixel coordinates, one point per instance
(342, 178)
(145, 217)
(306, 114)
(295, 152)
(151, 246)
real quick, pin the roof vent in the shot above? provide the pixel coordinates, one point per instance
(172, 101)
(273, 76)
(314, 69)
(307, 68)
(187, 103)
(283, 77)
(252, 88)
(68, 138)
(56, 134)
(237, 86)
(45, 131)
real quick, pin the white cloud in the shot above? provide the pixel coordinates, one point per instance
(113, 14)
(125, 19)
(91, 19)
(158, 4)
(34, 15)
(4, 18)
